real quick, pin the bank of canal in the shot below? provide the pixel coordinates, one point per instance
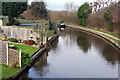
(76, 54)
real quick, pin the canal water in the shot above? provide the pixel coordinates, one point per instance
(76, 54)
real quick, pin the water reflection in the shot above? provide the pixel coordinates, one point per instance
(67, 58)
(40, 67)
(83, 41)
(110, 54)
(54, 44)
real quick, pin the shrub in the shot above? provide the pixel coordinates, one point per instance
(29, 42)
(110, 24)
(108, 19)
(6, 39)
(16, 22)
(107, 15)
(34, 43)
(12, 40)
(26, 60)
(21, 16)
(8, 24)
(19, 40)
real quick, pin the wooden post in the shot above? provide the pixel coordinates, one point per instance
(7, 53)
(12, 31)
(25, 34)
(1, 72)
(20, 58)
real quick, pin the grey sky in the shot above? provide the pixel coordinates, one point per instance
(59, 4)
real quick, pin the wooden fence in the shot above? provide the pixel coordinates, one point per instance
(9, 56)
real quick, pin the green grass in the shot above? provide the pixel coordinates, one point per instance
(25, 48)
(8, 71)
(112, 39)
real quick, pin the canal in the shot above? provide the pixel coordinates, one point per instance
(76, 54)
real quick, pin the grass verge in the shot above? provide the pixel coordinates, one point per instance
(112, 34)
(8, 71)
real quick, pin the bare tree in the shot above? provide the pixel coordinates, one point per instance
(67, 7)
(70, 7)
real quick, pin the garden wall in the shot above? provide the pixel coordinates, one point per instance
(19, 33)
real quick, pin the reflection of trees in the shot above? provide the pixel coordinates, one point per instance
(107, 51)
(69, 31)
(70, 36)
(41, 65)
(82, 41)
(110, 54)
(54, 44)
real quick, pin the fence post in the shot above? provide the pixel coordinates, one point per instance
(11, 31)
(7, 53)
(25, 34)
(20, 58)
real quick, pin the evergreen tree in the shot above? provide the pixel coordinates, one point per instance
(83, 12)
(13, 9)
(39, 10)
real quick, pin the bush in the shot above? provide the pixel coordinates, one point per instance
(12, 40)
(29, 42)
(82, 21)
(16, 22)
(6, 39)
(13, 22)
(21, 16)
(8, 24)
(26, 60)
(34, 43)
(108, 19)
(110, 24)
(19, 40)
(107, 15)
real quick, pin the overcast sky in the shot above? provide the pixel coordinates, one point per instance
(59, 4)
